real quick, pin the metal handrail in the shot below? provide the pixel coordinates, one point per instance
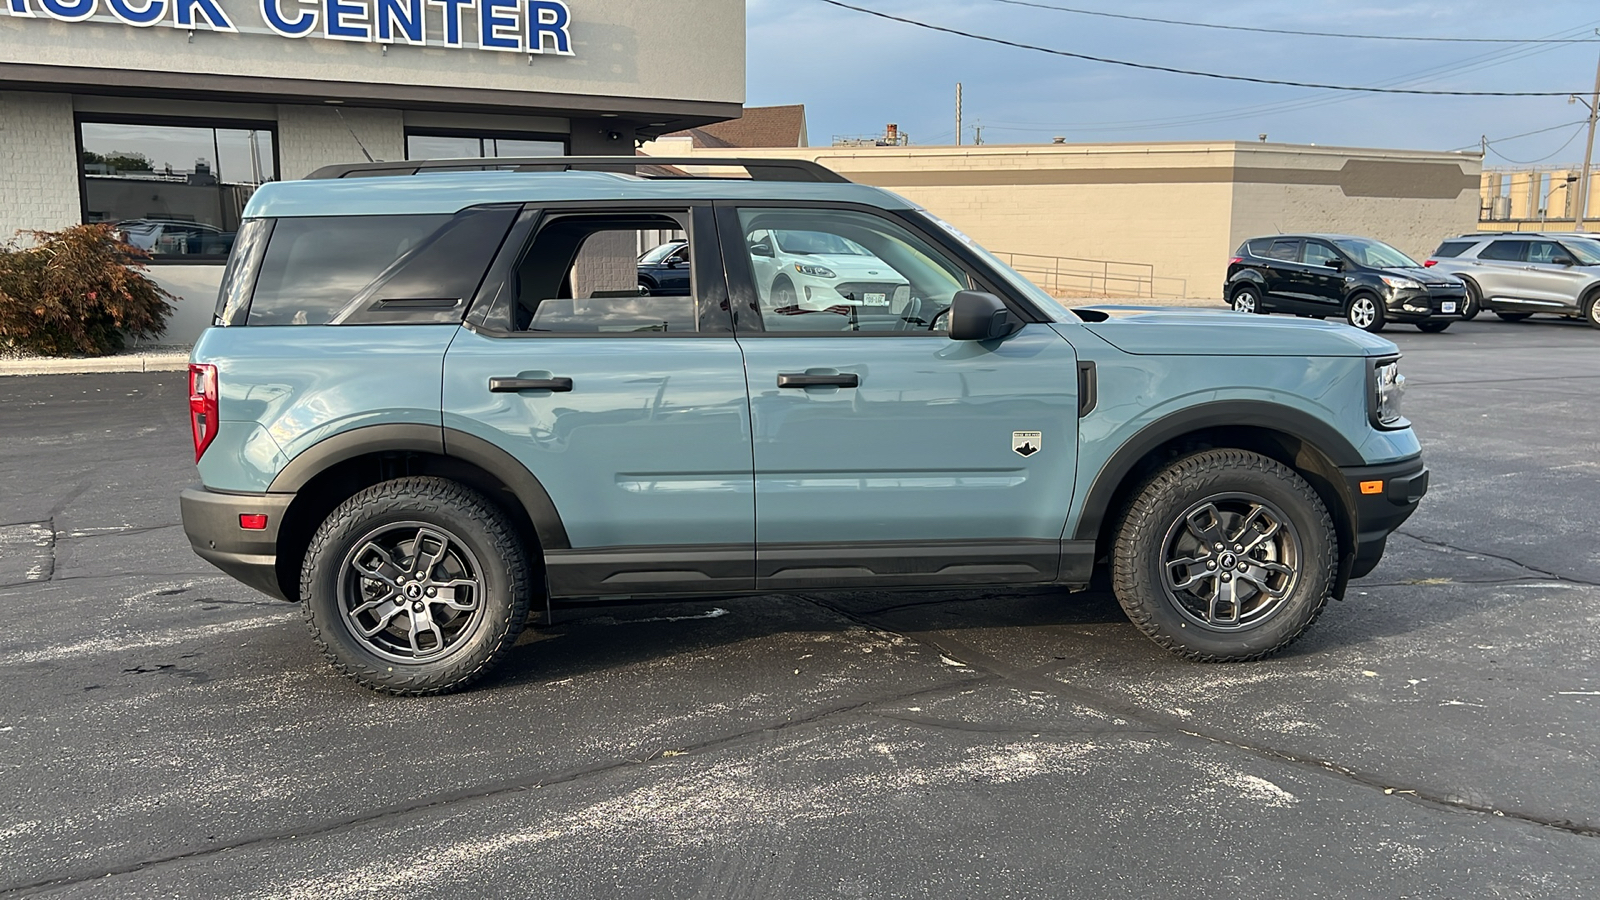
(1082, 276)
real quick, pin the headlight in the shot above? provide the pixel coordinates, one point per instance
(1401, 284)
(1389, 389)
(814, 271)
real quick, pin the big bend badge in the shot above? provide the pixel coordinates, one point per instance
(1027, 443)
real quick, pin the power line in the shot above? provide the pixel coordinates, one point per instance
(1528, 162)
(1522, 135)
(1176, 71)
(1320, 34)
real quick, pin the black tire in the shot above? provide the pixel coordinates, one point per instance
(1161, 519)
(474, 553)
(1472, 304)
(1366, 312)
(783, 293)
(1591, 309)
(646, 287)
(1246, 300)
(1514, 317)
(1434, 326)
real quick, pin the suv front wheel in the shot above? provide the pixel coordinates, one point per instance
(415, 586)
(1224, 555)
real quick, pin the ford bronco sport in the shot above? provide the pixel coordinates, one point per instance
(430, 403)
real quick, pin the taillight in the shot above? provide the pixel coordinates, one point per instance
(1429, 263)
(202, 406)
(1236, 260)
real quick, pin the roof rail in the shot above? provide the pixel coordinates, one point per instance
(758, 169)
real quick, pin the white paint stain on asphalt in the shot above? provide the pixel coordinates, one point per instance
(138, 641)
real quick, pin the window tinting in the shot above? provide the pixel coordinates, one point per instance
(1318, 254)
(1507, 251)
(174, 191)
(1452, 249)
(313, 267)
(1285, 250)
(840, 271)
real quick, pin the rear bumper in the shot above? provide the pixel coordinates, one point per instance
(211, 520)
(1385, 496)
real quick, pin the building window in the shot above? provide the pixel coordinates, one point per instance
(468, 145)
(174, 188)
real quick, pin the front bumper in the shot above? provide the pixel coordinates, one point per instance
(1428, 303)
(1385, 496)
(211, 520)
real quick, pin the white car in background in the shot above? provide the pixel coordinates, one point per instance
(813, 271)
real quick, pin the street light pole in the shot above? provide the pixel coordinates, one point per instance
(1588, 154)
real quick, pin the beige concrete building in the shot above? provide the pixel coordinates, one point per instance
(1157, 219)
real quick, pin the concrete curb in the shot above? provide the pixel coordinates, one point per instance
(143, 362)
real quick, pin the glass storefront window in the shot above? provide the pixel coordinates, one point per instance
(488, 146)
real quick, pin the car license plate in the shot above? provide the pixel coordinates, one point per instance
(1447, 307)
(872, 298)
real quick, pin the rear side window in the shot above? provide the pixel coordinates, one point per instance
(1452, 249)
(1285, 250)
(1508, 251)
(373, 269)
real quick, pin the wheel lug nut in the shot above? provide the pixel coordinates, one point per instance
(1219, 546)
(1238, 548)
(1211, 564)
(417, 607)
(1243, 567)
(432, 592)
(1227, 578)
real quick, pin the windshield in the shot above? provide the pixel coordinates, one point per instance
(804, 243)
(657, 254)
(1587, 253)
(1047, 304)
(1375, 254)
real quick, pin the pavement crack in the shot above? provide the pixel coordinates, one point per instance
(1542, 573)
(1038, 680)
(294, 834)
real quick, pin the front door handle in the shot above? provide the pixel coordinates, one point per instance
(514, 385)
(802, 380)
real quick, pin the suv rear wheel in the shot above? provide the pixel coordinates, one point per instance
(1472, 304)
(1224, 555)
(415, 586)
(1247, 300)
(1365, 313)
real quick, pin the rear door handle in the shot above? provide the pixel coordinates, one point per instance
(802, 380)
(514, 385)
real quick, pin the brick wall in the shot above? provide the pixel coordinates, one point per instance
(311, 137)
(39, 146)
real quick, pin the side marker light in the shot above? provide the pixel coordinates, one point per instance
(258, 521)
(1367, 487)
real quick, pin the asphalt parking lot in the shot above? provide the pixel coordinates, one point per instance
(165, 731)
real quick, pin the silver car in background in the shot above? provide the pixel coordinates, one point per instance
(1517, 274)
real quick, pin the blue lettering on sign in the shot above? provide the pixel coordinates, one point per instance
(208, 10)
(549, 18)
(492, 26)
(345, 21)
(153, 12)
(303, 24)
(452, 18)
(20, 8)
(402, 15)
(69, 10)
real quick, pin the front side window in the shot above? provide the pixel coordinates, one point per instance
(840, 271)
(176, 191)
(1319, 254)
(1376, 254)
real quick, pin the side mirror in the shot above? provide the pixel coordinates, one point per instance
(673, 262)
(1564, 261)
(976, 316)
(760, 250)
(1336, 264)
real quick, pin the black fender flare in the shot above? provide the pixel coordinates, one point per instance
(1285, 420)
(437, 441)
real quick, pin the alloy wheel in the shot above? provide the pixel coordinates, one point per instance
(1230, 562)
(411, 592)
(1245, 301)
(1363, 312)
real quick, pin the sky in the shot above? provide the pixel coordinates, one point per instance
(855, 73)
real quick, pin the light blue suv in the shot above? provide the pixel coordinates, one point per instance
(436, 396)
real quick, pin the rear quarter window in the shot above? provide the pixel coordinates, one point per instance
(1452, 249)
(371, 269)
(1508, 251)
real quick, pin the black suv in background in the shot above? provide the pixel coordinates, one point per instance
(1367, 282)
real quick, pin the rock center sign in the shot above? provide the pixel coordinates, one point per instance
(513, 26)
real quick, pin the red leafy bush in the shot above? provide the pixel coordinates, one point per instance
(77, 291)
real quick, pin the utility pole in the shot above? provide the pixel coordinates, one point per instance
(1588, 154)
(958, 114)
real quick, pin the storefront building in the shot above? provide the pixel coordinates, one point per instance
(163, 116)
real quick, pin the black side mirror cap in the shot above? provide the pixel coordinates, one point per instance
(976, 316)
(1336, 264)
(1564, 261)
